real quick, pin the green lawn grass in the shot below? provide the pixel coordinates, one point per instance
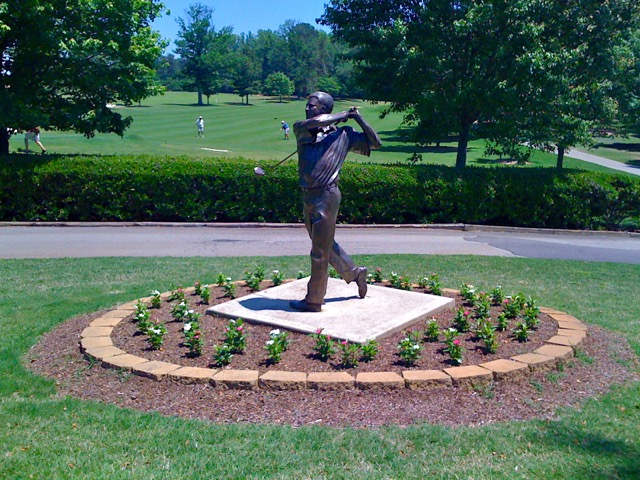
(45, 436)
(624, 150)
(165, 125)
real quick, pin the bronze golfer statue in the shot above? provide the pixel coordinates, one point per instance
(322, 148)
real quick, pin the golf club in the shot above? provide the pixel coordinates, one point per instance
(259, 171)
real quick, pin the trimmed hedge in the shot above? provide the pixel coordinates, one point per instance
(87, 188)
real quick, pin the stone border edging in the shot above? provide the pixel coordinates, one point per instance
(95, 342)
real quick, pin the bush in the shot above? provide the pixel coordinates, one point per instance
(162, 189)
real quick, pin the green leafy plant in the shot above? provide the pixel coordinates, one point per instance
(277, 278)
(521, 332)
(432, 331)
(369, 350)
(482, 306)
(276, 345)
(197, 288)
(222, 279)
(502, 322)
(409, 348)
(255, 278)
(179, 311)
(468, 292)
(193, 338)
(324, 346)
(511, 308)
(462, 319)
(434, 285)
(453, 345)
(229, 288)
(142, 317)
(235, 337)
(400, 282)
(155, 334)
(177, 294)
(300, 274)
(377, 275)
(156, 301)
(487, 333)
(205, 294)
(349, 354)
(497, 295)
(222, 355)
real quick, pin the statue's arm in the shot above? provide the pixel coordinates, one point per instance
(372, 137)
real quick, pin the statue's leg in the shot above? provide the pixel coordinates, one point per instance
(321, 209)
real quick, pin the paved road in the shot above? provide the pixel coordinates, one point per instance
(102, 240)
(605, 162)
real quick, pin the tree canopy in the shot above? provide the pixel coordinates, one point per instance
(63, 63)
(507, 68)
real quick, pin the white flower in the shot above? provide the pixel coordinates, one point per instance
(451, 329)
(155, 293)
(157, 331)
(416, 346)
(270, 342)
(276, 272)
(274, 333)
(190, 312)
(187, 327)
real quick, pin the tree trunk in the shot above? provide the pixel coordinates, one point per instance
(560, 157)
(4, 141)
(463, 142)
(200, 102)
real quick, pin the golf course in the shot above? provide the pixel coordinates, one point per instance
(47, 435)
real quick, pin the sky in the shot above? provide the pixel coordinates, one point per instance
(243, 15)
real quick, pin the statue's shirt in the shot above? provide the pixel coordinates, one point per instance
(320, 157)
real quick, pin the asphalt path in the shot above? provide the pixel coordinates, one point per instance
(215, 240)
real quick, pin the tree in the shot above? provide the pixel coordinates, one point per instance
(451, 65)
(61, 65)
(247, 69)
(206, 53)
(278, 84)
(571, 76)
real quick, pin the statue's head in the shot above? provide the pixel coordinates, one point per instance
(325, 100)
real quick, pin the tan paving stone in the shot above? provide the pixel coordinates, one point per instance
(154, 369)
(331, 381)
(563, 332)
(510, 370)
(563, 316)
(191, 375)
(117, 313)
(241, 379)
(104, 352)
(561, 352)
(89, 342)
(125, 362)
(105, 322)
(537, 362)
(567, 341)
(470, 376)
(281, 380)
(96, 332)
(571, 325)
(129, 306)
(379, 381)
(550, 311)
(426, 379)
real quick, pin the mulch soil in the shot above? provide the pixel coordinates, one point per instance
(601, 364)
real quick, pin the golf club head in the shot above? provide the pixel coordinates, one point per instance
(259, 171)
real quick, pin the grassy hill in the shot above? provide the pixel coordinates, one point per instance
(165, 125)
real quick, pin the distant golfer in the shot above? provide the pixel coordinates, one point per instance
(33, 134)
(285, 129)
(200, 125)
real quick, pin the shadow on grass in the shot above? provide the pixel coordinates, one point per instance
(626, 147)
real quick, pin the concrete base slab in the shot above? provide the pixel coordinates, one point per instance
(344, 315)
